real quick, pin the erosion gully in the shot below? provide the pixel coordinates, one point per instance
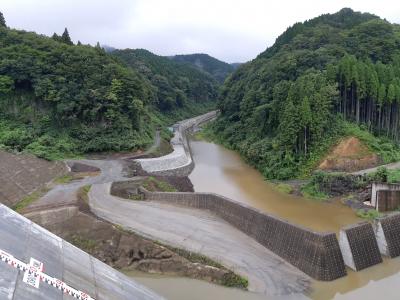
(222, 171)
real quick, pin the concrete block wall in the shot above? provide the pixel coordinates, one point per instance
(387, 231)
(376, 193)
(387, 200)
(316, 254)
(359, 246)
(179, 162)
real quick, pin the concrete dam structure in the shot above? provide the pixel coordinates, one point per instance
(36, 264)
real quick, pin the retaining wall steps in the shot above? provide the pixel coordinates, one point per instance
(319, 255)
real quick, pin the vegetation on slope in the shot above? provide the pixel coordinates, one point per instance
(58, 99)
(286, 108)
(175, 85)
(204, 62)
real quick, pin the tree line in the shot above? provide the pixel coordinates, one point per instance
(369, 93)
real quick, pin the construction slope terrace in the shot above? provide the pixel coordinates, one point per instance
(68, 272)
(318, 254)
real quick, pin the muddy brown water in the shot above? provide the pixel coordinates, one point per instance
(222, 171)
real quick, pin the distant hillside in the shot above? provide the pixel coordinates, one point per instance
(286, 108)
(108, 49)
(236, 65)
(175, 83)
(218, 69)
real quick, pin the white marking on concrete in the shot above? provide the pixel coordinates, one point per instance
(33, 275)
(29, 277)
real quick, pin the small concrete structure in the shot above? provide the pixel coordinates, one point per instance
(65, 267)
(385, 197)
(359, 246)
(387, 231)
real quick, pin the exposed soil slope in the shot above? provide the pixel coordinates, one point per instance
(349, 155)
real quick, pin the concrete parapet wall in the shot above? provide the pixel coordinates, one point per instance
(359, 246)
(385, 196)
(179, 162)
(316, 254)
(387, 233)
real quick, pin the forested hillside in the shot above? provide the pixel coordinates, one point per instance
(204, 62)
(61, 99)
(284, 109)
(175, 85)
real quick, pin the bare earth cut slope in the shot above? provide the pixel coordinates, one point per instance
(349, 155)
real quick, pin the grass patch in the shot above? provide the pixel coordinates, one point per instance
(312, 191)
(230, 279)
(83, 193)
(385, 175)
(207, 133)
(64, 179)
(368, 214)
(394, 176)
(233, 280)
(136, 197)
(87, 245)
(29, 199)
(284, 188)
(154, 185)
(386, 149)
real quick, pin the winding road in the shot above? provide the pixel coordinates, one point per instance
(191, 229)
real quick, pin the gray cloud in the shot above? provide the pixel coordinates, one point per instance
(231, 30)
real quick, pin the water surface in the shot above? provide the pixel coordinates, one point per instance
(222, 171)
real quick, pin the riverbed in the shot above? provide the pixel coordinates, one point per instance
(222, 171)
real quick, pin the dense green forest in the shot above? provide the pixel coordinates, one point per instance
(58, 99)
(204, 62)
(284, 109)
(176, 85)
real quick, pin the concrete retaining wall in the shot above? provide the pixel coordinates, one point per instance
(179, 162)
(359, 246)
(52, 216)
(387, 200)
(316, 254)
(385, 197)
(387, 233)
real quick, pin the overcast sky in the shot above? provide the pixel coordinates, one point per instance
(230, 30)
